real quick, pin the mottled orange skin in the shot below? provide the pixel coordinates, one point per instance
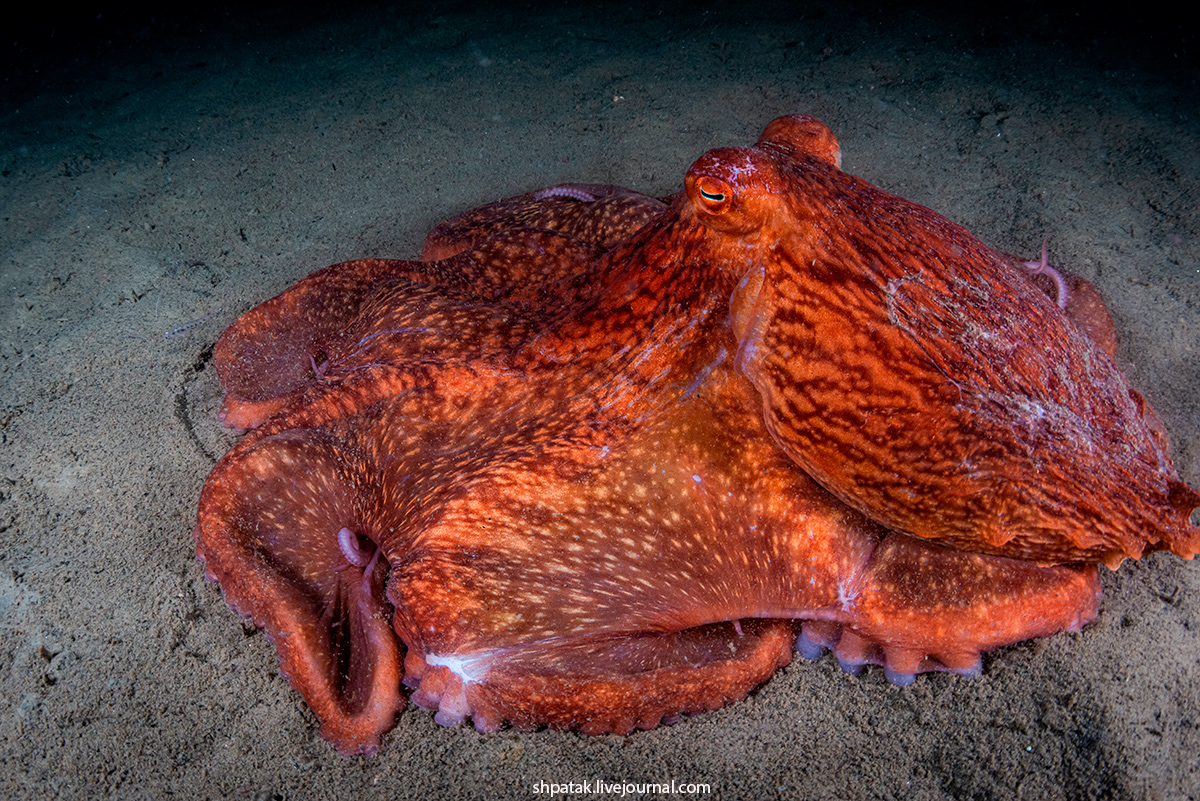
(570, 438)
(905, 366)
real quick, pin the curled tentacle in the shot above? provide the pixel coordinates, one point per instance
(1042, 267)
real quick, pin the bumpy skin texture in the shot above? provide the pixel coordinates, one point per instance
(600, 460)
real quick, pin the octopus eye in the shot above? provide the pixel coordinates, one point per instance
(713, 194)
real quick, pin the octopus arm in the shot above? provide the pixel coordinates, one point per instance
(670, 577)
(269, 533)
(373, 310)
(599, 214)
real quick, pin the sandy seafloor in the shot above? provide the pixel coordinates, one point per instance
(161, 169)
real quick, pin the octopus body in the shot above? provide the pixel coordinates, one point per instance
(600, 459)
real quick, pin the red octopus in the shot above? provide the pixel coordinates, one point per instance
(599, 460)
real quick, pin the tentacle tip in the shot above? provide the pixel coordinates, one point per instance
(449, 719)
(852, 668)
(969, 672)
(1042, 267)
(352, 549)
(485, 725)
(808, 648)
(352, 746)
